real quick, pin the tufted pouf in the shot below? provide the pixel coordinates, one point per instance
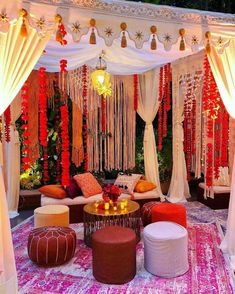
(169, 212)
(51, 215)
(146, 212)
(166, 249)
(51, 246)
(114, 255)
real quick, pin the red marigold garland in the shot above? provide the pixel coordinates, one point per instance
(135, 82)
(57, 130)
(43, 132)
(85, 116)
(25, 133)
(164, 98)
(65, 155)
(225, 138)
(7, 119)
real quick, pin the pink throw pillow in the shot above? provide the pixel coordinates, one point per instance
(88, 184)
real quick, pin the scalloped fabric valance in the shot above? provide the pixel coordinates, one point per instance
(136, 37)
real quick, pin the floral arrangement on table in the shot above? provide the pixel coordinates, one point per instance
(111, 192)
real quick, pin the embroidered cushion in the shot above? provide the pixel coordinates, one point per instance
(54, 191)
(88, 184)
(73, 190)
(144, 186)
(127, 182)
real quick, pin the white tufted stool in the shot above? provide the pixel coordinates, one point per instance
(166, 249)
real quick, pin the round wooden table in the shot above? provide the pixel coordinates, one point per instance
(95, 219)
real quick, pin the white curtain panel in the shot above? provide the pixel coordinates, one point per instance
(18, 56)
(12, 161)
(223, 68)
(148, 105)
(179, 188)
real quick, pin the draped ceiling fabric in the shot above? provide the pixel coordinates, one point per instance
(137, 57)
(223, 68)
(18, 56)
(148, 104)
(182, 70)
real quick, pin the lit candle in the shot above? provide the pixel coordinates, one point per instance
(106, 205)
(115, 208)
(122, 205)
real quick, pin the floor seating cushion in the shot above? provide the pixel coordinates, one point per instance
(51, 215)
(165, 249)
(169, 212)
(51, 246)
(146, 212)
(114, 255)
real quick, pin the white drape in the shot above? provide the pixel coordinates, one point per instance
(223, 68)
(12, 159)
(179, 189)
(18, 56)
(148, 105)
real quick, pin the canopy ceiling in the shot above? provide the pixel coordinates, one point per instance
(108, 15)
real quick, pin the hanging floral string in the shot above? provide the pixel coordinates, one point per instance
(65, 154)
(7, 120)
(0, 128)
(25, 133)
(85, 115)
(224, 139)
(43, 132)
(135, 82)
(165, 100)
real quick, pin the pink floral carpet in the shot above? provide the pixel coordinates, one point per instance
(208, 272)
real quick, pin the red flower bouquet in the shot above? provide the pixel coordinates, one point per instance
(111, 192)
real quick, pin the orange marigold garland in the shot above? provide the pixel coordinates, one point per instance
(25, 133)
(43, 132)
(7, 120)
(65, 154)
(85, 116)
(135, 83)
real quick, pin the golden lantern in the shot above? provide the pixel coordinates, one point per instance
(101, 79)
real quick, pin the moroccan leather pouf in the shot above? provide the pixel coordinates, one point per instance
(146, 212)
(169, 212)
(51, 246)
(114, 255)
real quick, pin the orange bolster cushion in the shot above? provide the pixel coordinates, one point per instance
(144, 186)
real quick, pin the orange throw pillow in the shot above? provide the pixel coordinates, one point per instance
(144, 186)
(88, 184)
(53, 191)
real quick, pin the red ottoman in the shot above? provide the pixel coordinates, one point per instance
(114, 255)
(51, 246)
(146, 212)
(169, 212)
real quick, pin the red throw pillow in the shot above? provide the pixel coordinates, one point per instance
(88, 184)
(73, 190)
(54, 191)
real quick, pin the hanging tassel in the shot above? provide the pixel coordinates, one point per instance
(92, 36)
(123, 27)
(153, 30)
(208, 45)
(23, 30)
(182, 43)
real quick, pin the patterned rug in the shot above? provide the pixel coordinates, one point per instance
(208, 271)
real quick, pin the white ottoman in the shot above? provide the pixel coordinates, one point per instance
(166, 249)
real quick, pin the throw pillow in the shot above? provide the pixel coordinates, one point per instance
(127, 182)
(73, 190)
(54, 191)
(88, 184)
(144, 186)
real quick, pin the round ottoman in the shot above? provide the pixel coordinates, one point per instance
(51, 215)
(169, 212)
(146, 212)
(166, 249)
(114, 255)
(51, 246)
